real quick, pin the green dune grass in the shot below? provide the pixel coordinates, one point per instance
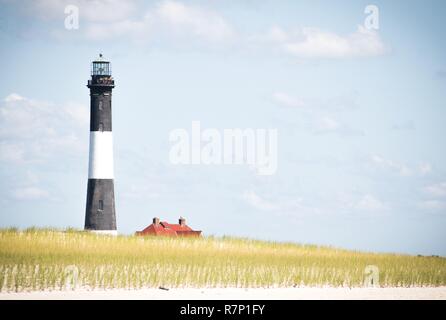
(49, 259)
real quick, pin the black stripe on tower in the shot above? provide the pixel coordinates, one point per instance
(100, 109)
(100, 213)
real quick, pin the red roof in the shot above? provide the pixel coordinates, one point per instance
(175, 227)
(168, 229)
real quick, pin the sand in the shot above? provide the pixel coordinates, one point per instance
(310, 293)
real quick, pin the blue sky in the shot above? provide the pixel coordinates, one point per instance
(360, 116)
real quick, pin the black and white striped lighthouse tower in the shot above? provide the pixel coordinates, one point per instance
(100, 214)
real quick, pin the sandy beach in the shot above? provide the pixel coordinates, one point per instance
(311, 293)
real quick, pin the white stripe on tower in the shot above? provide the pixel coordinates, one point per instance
(101, 155)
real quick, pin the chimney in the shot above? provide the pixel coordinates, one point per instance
(182, 221)
(156, 221)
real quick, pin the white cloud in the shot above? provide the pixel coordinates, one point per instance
(170, 18)
(315, 43)
(425, 168)
(370, 203)
(137, 30)
(89, 10)
(11, 152)
(30, 193)
(276, 34)
(316, 105)
(327, 124)
(14, 97)
(258, 202)
(32, 130)
(320, 116)
(286, 100)
(437, 190)
(400, 168)
(107, 19)
(433, 204)
(76, 112)
(37, 135)
(143, 191)
(290, 206)
(362, 204)
(201, 22)
(436, 194)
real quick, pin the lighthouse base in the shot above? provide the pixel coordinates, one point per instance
(100, 209)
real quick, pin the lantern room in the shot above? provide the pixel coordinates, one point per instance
(101, 74)
(100, 67)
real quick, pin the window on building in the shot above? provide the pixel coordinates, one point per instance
(101, 126)
(100, 104)
(101, 205)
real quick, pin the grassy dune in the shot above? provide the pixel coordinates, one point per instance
(47, 259)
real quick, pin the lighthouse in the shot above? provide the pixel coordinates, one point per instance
(100, 215)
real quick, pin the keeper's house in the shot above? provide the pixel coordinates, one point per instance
(158, 228)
